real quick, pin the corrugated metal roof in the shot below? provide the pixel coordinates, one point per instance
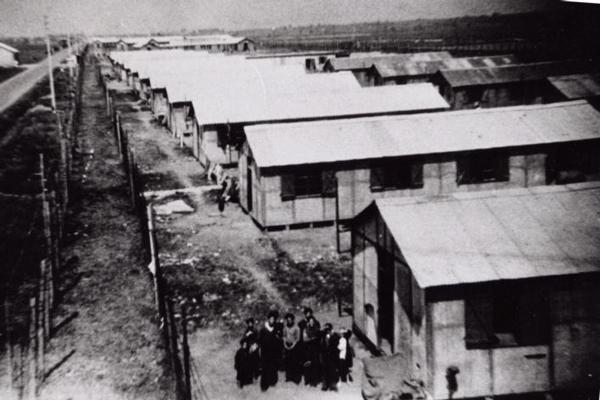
(232, 105)
(259, 82)
(387, 69)
(578, 86)
(235, 90)
(444, 132)
(207, 76)
(515, 73)
(491, 236)
(353, 63)
(310, 53)
(143, 58)
(9, 48)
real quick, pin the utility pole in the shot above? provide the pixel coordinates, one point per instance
(45, 208)
(50, 73)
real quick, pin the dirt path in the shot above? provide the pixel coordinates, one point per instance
(113, 342)
(232, 235)
(263, 279)
(157, 151)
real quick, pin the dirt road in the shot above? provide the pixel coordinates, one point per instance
(113, 342)
(14, 88)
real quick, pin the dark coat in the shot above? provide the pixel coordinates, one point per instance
(243, 367)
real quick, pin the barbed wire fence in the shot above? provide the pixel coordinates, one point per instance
(30, 287)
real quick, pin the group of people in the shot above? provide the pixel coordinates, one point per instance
(303, 350)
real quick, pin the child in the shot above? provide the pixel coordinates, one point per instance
(243, 368)
(346, 355)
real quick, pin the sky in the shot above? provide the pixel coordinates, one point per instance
(25, 17)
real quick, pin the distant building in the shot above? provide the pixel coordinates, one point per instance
(214, 43)
(360, 64)
(105, 43)
(486, 294)
(399, 72)
(152, 44)
(122, 45)
(319, 172)
(505, 85)
(9, 56)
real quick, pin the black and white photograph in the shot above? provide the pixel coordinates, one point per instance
(299, 199)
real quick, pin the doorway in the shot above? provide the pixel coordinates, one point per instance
(385, 294)
(249, 189)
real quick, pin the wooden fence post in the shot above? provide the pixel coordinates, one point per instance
(32, 350)
(8, 354)
(46, 298)
(157, 277)
(174, 346)
(50, 283)
(153, 260)
(186, 355)
(131, 163)
(64, 180)
(118, 131)
(40, 339)
(125, 148)
(54, 239)
(45, 207)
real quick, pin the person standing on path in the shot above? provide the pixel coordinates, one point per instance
(346, 355)
(251, 335)
(242, 365)
(270, 352)
(330, 358)
(291, 338)
(221, 204)
(310, 334)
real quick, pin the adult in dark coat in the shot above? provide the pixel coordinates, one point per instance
(279, 324)
(310, 336)
(251, 335)
(330, 356)
(270, 352)
(242, 365)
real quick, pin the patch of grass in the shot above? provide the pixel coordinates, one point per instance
(31, 53)
(7, 73)
(323, 279)
(160, 181)
(11, 117)
(33, 130)
(214, 291)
